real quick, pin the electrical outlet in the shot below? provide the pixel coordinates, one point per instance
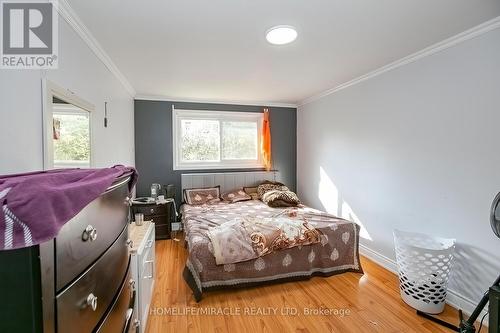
(176, 226)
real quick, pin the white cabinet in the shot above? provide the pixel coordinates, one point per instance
(143, 268)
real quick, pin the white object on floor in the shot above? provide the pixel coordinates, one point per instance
(143, 268)
(424, 266)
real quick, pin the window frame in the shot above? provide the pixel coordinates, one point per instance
(183, 114)
(51, 90)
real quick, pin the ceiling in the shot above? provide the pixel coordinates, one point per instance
(216, 50)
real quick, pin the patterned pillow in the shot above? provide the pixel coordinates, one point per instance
(236, 195)
(276, 198)
(200, 196)
(252, 192)
(269, 186)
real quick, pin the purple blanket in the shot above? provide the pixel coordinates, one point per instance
(36, 205)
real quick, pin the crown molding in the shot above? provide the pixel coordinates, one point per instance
(79, 27)
(438, 47)
(145, 97)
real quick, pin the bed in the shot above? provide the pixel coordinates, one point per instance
(336, 252)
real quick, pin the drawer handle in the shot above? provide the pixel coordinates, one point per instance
(128, 316)
(152, 210)
(129, 313)
(92, 301)
(127, 202)
(129, 243)
(152, 262)
(90, 233)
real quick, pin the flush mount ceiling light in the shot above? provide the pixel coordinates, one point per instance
(281, 34)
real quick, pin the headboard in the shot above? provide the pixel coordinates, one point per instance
(227, 180)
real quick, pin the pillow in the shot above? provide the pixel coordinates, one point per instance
(252, 192)
(277, 198)
(200, 196)
(269, 186)
(236, 195)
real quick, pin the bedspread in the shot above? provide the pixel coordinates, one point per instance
(246, 238)
(336, 252)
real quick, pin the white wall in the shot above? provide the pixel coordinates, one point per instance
(416, 148)
(81, 72)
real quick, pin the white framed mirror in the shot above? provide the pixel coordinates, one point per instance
(67, 128)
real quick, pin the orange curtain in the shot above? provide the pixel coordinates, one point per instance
(266, 141)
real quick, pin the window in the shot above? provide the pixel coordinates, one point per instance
(216, 140)
(71, 128)
(67, 128)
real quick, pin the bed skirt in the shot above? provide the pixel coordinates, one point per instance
(192, 282)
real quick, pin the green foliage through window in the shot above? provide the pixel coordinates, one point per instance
(201, 140)
(72, 145)
(239, 140)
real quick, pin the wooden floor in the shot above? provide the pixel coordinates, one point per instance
(372, 300)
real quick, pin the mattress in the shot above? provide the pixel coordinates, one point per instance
(337, 252)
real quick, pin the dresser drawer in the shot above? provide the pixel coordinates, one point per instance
(149, 247)
(150, 209)
(122, 313)
(75, 311)
(162, 231)
(159, 219)
(85, 237)
(146, 285)
(147, 268)
(143, 268)
(147, 258)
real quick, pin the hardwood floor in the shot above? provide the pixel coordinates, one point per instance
(372, 300)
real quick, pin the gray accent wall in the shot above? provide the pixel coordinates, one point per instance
(154, 150)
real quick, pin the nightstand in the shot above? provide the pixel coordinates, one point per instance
(161, 215)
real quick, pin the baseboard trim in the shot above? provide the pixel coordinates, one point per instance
(378, 258)
(454, 298)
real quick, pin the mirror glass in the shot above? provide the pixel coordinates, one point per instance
(70, 135)
(495, 215)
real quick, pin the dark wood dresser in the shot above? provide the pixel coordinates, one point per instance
(79, 282)
(160, 214)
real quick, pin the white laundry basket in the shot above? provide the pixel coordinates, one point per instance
(424, 265)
